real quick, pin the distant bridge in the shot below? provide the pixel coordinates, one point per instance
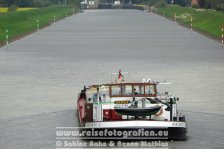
(109, 4)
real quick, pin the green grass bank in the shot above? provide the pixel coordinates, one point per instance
(205, 21)
(20, 23)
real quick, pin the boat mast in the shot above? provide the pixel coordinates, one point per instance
(98, 95)
(112, 74)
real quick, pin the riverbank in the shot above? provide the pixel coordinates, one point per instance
(208, 22)
(21, 23)
(5, 9)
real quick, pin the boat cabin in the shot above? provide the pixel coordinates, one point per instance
(132, 90)
(107, 92)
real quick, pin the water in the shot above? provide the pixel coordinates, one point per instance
(41, 75)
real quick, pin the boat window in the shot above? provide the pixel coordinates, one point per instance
(95, 98)
(116, 90)
(149, 90)
(139, 90)
(127, 90)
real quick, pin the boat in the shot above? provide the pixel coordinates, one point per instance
(131, 105)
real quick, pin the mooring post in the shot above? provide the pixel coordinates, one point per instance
(222, 36)
(7, 37)
(54, 19)
(38, 25)
(175, 17)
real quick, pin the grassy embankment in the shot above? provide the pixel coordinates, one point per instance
(205, 21)
(20, 23)
(5, 9)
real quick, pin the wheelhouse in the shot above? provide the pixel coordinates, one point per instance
(132, 90)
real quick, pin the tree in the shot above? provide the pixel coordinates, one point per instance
(23, 3)
(43, 3)
(2, 3)
(201, 3)
(152, 2)
(73, 2)
(8, 3)
(211, 4)
(160, 3)
(181, 2)
(13, 7)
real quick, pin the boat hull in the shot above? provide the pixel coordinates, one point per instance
(173, 130)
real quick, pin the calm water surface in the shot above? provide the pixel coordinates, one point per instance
(41, 75)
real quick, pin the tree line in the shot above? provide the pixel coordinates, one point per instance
(211, 4)
(36, 3)
(207, 4)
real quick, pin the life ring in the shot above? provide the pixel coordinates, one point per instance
(160, 112)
